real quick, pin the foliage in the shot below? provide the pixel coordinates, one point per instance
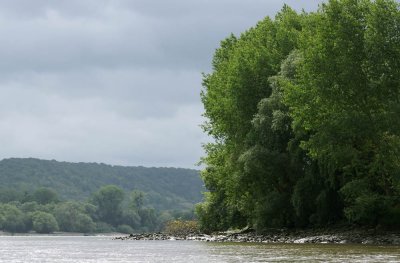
(304, 112)
(45, 196)
(148, 219)
(247, 165)
(76, 195)
(71, 217)
(44, 222)
(346, 97)
(12, 219)
(181, 227)
(166, 188)
(108, 212)
(109, 200)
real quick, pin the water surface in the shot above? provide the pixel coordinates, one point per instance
(104, 249)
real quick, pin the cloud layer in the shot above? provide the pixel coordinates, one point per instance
(112, 81)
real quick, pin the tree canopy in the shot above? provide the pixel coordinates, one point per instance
(304, 110)
(166, 188)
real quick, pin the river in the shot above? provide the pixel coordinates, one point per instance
(104, 249)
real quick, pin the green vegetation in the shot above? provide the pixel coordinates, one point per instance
(12, 219)
(109, 204)
(128, 199)
(181, 227)
(164, 188)
(43, 222)
(106, 211)
(304, 110)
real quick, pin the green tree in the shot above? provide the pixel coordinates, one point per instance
(13, 220)
(132, 218)
(84, 224)
(135, 204)
(45, 195)
(242, 68)
(109, 199)
(44, 222)
(148, 219)
(72, 217)
(346, 97)
(136, 200)
(8, 195)
(270, 167)
(304, 112)
(30, 207)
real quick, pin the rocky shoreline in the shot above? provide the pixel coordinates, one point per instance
(370, 237)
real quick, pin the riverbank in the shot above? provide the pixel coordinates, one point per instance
(321, 236)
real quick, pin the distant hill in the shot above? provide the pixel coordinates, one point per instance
(165, 188)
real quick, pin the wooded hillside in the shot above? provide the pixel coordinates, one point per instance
(165, 188)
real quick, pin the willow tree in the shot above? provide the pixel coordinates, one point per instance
(240, 79)
(304, 110)
(347, 98)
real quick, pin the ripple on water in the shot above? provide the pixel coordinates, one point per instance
(104, 249)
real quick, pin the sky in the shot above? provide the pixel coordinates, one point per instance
(113, 81)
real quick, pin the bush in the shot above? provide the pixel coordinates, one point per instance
(72, 217)
(363, 206)
(13, 220)
(181, 227)
(84, 224)
(44, 223)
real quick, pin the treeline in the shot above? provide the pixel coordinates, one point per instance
(109, 209)
(165, 188)
(305, 114)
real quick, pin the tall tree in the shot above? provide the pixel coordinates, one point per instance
(45, 195)
(242, 68)
(304, 112)
(109, 200)
(347, 98)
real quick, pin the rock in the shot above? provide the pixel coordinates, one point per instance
(282, 236)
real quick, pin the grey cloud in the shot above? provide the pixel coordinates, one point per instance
(112, 81)
(175, 34)
(136, 93)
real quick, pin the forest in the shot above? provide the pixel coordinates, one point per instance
(107, 210)
(304, 112)
(48, 196)
(165, 188)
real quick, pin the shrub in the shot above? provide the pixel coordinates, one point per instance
(12, 219)
(181, 227)
(44, 222)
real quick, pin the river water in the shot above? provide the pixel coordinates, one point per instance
(104, 249)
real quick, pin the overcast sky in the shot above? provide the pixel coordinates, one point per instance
(115, 81)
